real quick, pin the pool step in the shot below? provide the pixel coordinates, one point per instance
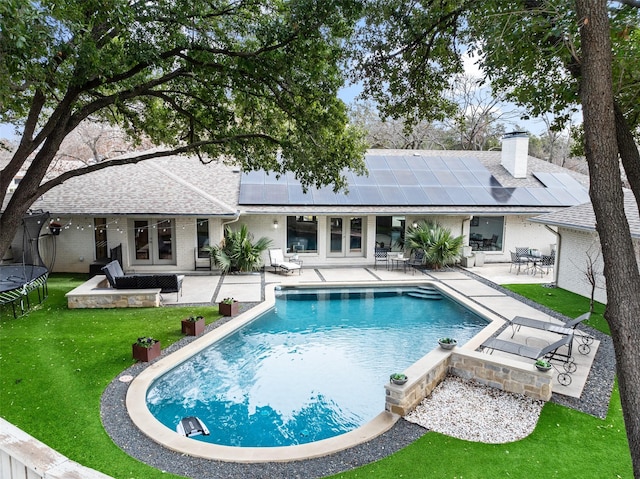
(424, 294)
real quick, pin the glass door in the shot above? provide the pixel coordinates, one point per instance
(345, 236)
(153, 242)
(336, 238)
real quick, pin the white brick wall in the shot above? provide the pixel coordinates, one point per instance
(573, 263)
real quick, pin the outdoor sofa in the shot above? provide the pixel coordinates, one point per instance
(168, 283)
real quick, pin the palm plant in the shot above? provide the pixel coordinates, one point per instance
(439, 245)
(238, 252)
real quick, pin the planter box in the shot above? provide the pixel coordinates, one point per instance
(193, 328)
(146, 354)
(228, 309)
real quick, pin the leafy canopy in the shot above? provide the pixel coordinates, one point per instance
(251, 80)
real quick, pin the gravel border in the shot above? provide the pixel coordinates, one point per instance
(118, 425)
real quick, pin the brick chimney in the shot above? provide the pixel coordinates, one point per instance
(515, 151)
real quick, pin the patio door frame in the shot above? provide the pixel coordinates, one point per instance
(159, 237)
(341, 233)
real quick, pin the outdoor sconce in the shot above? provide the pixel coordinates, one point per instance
(275, 224)
(415, 224)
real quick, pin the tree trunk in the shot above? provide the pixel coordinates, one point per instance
(620, 267)
(628, 153)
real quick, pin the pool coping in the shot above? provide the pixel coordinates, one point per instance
(161, 434)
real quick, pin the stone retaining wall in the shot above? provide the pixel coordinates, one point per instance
(494, 371)
(96, 293)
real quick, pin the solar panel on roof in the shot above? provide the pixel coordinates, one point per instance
(370, 195)
(416, 195)
(438, 196)
(405, 177)
(416, 181)
(377, 163)
(446, 178)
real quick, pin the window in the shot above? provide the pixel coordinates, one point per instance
(486, 233)
(202, 231)
(390, 232)
(100, 238)
(302, 234)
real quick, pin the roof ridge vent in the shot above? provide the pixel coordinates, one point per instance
(515, 153)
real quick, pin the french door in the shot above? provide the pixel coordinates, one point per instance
(346, 236)
(153, 242)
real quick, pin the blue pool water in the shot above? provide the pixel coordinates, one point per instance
(311, 368)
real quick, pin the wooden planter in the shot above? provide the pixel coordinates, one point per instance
(193, 328)
(146, 354)
(228, 309)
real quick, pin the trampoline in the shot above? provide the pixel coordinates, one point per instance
(18, 280)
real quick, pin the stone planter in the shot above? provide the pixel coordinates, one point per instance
(141, 353)
(399, 379)
(447, 345)
(193, 328)
(543, 368)
(228, 309)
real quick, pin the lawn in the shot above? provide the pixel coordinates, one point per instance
(55, 364)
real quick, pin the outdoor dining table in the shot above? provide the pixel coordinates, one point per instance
(535, 258)
(397, 259)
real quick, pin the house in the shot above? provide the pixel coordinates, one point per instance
(163, 212)
(579, 250)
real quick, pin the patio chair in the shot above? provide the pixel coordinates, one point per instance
(584, 339)
(550, 353)
(276, 256)
(516, 261)
(416, 261)
(547, 262)
(381, 255)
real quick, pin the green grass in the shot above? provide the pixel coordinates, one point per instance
(55, 364)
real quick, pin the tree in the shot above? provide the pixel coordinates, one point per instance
(246, 81)
(549, 56)
(439, 245)
(238, 251)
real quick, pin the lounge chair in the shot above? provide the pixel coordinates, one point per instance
(550, 353)
(276, 256)
(566, 328)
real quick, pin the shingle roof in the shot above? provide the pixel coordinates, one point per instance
(175, 185)
(182, 185)
(582, 217)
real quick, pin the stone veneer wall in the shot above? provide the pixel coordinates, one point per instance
(494, 371)
(96, 293)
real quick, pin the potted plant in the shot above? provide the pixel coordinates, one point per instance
(193, 325)
(543, 365)
(146, 349)
(228, 307)
(398, 378)
(447, 343)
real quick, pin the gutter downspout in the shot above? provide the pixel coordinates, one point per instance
(557, 255)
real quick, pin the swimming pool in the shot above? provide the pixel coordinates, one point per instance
(309, 369)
